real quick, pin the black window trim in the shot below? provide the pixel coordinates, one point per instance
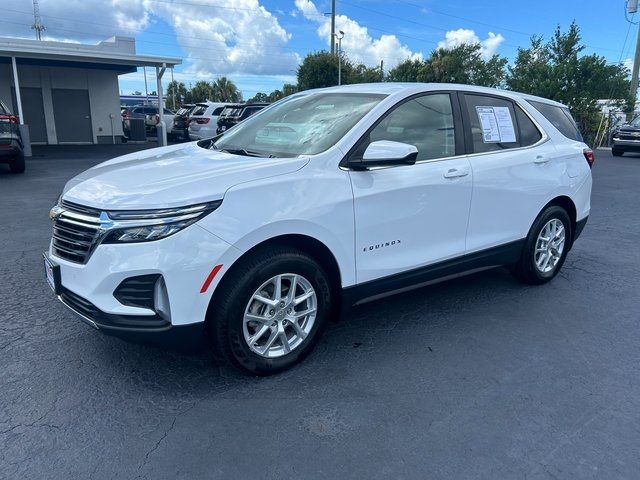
(516, 103)
(459, 132)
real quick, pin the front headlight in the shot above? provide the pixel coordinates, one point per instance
(132, 226)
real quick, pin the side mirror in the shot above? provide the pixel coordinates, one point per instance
(386, 153)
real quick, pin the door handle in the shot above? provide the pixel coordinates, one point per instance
(455, 173)
(540, 159)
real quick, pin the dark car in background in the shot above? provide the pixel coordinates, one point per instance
(180, 128)
(11, 149)
(234, 114)
(626, 138)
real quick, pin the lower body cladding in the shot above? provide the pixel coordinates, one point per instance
(150, 292)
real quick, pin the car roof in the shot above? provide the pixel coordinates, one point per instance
(391, 88)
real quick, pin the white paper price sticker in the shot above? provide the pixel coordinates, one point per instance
(497, 124)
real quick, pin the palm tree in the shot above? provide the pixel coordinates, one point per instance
(224, 90)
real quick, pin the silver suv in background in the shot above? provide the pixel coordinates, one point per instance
(203, 120)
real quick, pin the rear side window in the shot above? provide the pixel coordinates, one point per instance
(559, 117)
(493, 123)
(529, 133)
(217, 111)
(199, 110)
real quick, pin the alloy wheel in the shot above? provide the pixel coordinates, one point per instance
(280, 315)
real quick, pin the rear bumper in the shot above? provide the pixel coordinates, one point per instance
(580, 224)
(9, 151)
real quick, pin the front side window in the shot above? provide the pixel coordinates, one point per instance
(493, 124)
(425, 122)
(304, 124)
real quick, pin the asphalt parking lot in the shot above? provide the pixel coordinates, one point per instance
(480, 377)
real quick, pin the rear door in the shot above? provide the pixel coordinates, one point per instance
(411, 216)
(514, 166)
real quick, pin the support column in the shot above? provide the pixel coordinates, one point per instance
(161, 127)
(24, 129)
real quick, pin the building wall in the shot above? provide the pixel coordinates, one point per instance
(102, 86)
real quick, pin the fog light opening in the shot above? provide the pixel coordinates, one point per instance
(161, 300)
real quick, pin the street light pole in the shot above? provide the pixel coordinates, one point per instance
(339, 37)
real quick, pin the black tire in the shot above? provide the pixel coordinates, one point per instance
(616, 152)
(17, 164)
(525, 269)
(225, 322)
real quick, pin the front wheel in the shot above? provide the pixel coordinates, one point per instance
(271, 311)
(545, 248)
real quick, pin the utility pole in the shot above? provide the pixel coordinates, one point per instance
(333, 26)
(381, 70)
(37, 22)
(632, 7)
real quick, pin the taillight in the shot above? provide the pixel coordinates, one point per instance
(8, 119)
(589, 156)
(157, 118)
(202, 121)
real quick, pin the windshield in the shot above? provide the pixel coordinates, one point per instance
(300, 125)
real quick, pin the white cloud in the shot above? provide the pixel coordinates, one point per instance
(243, 38)
(455, 38)
(246, 38)
(357, 44)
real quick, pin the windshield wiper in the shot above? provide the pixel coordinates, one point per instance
(246, 153)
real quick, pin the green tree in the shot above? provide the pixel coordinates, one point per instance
(289, 89)
(176, 94)
(463, 64)
(558, 70)
(200, 92)
(320, 69)
(406, 71)
(224, 90)
(363, 74)
(258, 98)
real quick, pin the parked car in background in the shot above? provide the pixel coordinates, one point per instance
(256, 244)
(234, 114)
(626, 138)
(203, 120)
(180, 128)
(10, 140)
(150, 115)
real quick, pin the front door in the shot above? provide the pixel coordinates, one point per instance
(72, 115)
(411, 216)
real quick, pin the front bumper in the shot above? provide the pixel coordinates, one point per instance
(184, 261)
(626, 144)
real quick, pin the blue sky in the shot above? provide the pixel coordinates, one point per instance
(258, 44)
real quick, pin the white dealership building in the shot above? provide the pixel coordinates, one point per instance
(68, 92)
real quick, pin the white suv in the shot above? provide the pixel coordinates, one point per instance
(324, 199)
(203, 120)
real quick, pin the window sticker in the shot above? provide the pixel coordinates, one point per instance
(497, 124)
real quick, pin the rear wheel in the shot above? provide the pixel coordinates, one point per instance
(270, 311)
(616, 152)
(17, 164)
(546, 247)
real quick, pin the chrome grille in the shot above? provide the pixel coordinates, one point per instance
(76, 230)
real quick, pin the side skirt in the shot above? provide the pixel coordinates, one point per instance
(493, 257)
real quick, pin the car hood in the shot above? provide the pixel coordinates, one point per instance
(170, 177)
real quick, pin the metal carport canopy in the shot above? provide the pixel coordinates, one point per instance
(63, 54)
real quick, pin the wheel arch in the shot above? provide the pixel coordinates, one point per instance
(569, 206)
(305, 243)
